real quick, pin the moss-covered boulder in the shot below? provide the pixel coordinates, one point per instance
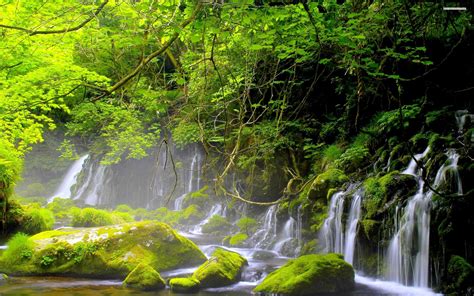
(332, 178)
(111, 251)
(184, 285)
(310, 275)
(222, 269)
(460, 276)
(382, 192)
(144, 278)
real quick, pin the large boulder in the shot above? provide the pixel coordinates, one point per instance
(222, 269)
(110, 251)
(310, 275)
(184, 285)
(144, 278)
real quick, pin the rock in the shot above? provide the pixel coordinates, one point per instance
(222, 269)
(110, 251)
(3, 278)
(184, 285)
(332, 178)
(144, 278)
(460, 275)
(309, 275)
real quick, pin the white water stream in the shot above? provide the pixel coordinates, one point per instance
(69, 180)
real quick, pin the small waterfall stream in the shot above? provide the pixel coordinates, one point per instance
(265, 236)
(408, 251)
(70, 179)
(336, 237)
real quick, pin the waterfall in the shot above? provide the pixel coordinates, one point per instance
(331, 233)
(93, 196)
(70, 179)
(287, 234)
(408, 251)
(461, 116)
(351, 228)
(267, 234)
(196, 162)
(216, 209)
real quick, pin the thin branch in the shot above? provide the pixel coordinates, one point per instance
(154, 54)
(59, 31)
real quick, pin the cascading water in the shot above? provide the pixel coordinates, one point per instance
(265, 236)
(70, 179)
(351, 228)
(408, 251)
(196, 162)
(93, 196)
(331, 234)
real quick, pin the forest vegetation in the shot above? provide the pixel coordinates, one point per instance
(288, 100)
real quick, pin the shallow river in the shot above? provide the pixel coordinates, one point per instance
(261, 262)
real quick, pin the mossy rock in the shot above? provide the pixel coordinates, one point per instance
(217, 225)
(111, 251)
(460, 276)
(184, 285)
(223, 268)
(381, 191)
(238, 239)
(332, 178)
(310, 275)
(144, 278)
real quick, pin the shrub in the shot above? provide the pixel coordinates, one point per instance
(217, 224)
(37, 219)
(331, 154)
(238, 239)
(247, 225)
(60, 207)
(19, 248)
(121, 217)
(123, 208)
(90, 217)
(352, 158)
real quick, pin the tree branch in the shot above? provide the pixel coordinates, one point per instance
(154, 54)
(59, 31)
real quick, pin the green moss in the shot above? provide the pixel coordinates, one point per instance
(184, 285)
(217, 225)
(199, 198)
(20, 249)
(381, 190)
(90, 217)
(60, 207)
(144, 278)
(107, 251)
(332, 178)
(309, 275)
(37, 219)
(191, 214)
(238, 239)
(460, 275)
(221, 269)
(247, 225)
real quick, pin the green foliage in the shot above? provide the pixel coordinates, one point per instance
(19, 248)
(90, 217)
(216, 224)
(238, 239)
(123, 208)
(37, 219)
(353, 158)
(460, 274)
(247, 225)
(389, 122)
(60, 207)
